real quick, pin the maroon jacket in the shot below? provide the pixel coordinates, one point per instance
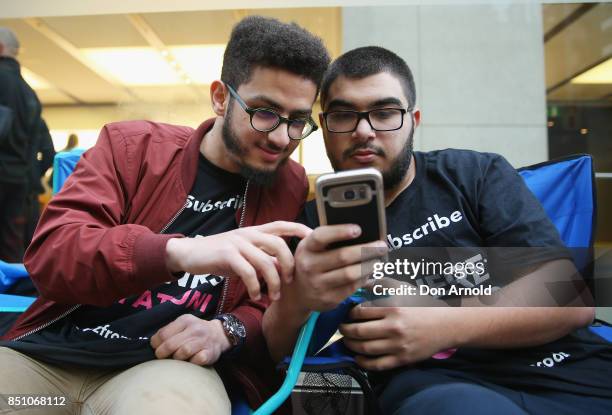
(101, 238)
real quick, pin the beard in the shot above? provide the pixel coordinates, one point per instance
(398, 168)
(262, 177)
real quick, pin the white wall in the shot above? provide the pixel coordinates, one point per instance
(479, 72)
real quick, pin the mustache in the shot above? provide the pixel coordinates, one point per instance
(273, 147)
(356, 147)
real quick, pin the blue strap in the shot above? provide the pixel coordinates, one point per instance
(299, 352)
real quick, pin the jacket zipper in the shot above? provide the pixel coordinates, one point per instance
(240, 225)
(64, 314)
(176, 215)
(47, 324)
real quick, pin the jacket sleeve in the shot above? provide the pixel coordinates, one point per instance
(82, 253)
(250, 313)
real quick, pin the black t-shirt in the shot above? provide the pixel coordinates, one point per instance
(474, 199)
(478, 200)
(119, 335)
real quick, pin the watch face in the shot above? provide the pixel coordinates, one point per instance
(240, 330)
(235, 328)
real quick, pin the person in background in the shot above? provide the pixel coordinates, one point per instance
(73, 142)
(20, 112)
(42, 155)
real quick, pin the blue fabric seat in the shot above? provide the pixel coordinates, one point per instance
(10, 273)
(14, 303)
(565, 188)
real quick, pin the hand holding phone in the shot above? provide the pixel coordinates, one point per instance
(353, 196)
(334, 261)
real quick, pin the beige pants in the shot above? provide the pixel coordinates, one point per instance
(156, 387)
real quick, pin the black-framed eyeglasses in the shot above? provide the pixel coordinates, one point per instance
(266, 120)
(380, 119)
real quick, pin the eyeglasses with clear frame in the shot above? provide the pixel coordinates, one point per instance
(265, 120)
(380, 119)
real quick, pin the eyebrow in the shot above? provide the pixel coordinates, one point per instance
(339, 103)
(387, 101)
(378, 103)
(270, 103)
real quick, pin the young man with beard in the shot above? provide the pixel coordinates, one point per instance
(441, 360)
(150, 259)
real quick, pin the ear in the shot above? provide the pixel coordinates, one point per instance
(219, 97)
(416, 113)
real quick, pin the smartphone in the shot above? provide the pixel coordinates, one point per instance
(353, 196)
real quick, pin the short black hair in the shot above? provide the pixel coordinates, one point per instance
(366, 61)
(258, 41)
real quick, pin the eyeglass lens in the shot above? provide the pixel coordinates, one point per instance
(385, 119)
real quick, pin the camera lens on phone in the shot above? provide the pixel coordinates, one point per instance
(349, 195)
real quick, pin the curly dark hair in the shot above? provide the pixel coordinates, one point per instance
(366, 61)
(258, 41)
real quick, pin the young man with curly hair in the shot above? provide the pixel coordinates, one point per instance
(148, 260)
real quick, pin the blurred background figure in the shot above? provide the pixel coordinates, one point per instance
(42, 154)
(73, 142)
(20, 115)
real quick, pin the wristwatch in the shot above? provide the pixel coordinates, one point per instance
(234, 329)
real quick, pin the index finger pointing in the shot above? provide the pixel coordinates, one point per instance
(284, 228)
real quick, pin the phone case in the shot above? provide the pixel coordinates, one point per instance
(353, 196)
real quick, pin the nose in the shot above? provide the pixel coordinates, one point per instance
(279, 137)
(363, 131)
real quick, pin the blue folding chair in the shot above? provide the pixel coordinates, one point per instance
(9, 275)
(564, 187)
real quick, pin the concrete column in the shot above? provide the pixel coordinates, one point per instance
(479, 72)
